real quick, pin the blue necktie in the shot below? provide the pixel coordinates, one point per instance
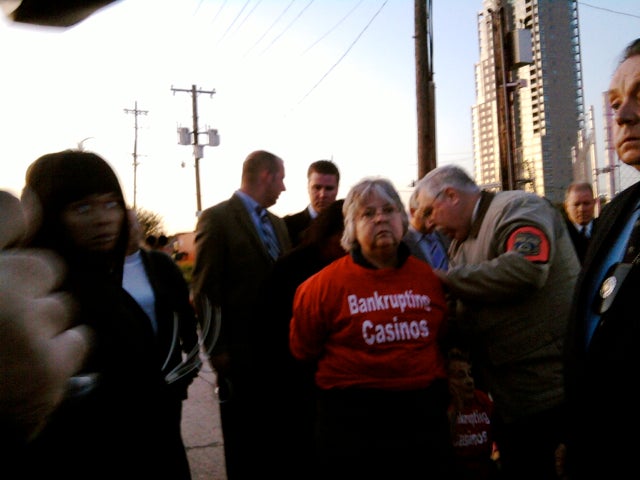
(268, 235)
(437, 255)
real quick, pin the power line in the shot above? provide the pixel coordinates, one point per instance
(344, 54)
(287, 27)
(609, 10)
(247, 15)
(233, 22)
(333, 28)
(270, 27)
(198, 7)
(218, 12)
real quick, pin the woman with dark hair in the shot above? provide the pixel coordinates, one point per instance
(112, 427)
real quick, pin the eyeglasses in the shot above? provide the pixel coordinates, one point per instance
(428, 211)
(369, 214)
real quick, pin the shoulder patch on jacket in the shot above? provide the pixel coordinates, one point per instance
(531, 243)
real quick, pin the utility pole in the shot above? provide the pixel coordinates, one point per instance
(504, 96)
(135, 112)
(425, 88)
(197, 148)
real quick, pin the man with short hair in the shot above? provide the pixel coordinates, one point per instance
(579, 205)
(323, 179)
(237, 242)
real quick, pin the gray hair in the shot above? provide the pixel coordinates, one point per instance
(446, 176)
(413, 199)
(357, 198)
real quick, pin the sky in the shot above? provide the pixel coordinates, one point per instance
(304, 79)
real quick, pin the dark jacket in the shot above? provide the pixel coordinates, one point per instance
(231, 266)
(600, 379)
(297, 223)
(580, 242)
(99, 434)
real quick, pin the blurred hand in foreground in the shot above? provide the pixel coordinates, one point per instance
(38, 351)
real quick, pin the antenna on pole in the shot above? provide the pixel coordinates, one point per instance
(136, 112)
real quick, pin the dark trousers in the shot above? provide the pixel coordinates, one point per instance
(527, 446)
(286, 424)
(237, 399)
(375, 434)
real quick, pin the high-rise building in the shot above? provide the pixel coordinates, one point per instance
(529, 99)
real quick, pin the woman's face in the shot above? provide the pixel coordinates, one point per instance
(94, 223)
(378, 227)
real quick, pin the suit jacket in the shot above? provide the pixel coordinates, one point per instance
(600, 377)
(412, 239)
(230, 268)
(580, 243)
(297, 223)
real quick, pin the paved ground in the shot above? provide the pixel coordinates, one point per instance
(201, 428)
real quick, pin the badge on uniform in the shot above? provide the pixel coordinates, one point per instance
(611, 286)
(530, 242)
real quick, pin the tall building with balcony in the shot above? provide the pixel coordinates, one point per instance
(529, 101)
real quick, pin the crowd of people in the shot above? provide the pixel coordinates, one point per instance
(352, 326)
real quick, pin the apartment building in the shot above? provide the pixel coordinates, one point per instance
(528, 119)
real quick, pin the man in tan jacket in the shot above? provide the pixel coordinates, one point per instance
(512, 272)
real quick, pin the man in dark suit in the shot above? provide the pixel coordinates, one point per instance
(579, 206)
(323, 179)
(601, 351)
(234, 242)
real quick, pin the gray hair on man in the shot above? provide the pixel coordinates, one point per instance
(446, 176)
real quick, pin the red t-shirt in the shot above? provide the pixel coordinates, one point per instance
(472, 436)
(370, 328)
